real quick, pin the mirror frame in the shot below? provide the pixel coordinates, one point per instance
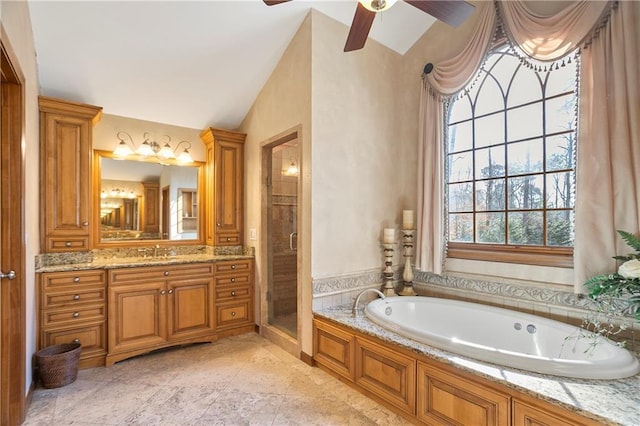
(95, 213)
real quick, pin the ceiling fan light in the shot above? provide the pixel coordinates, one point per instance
(377, 5)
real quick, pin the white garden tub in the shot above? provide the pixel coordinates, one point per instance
(503, 337)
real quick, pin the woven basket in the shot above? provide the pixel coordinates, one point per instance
(58, 364)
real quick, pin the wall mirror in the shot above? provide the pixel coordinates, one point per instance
(144, 201)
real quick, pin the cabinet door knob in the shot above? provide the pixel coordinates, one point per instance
(218, 224)
(76, 341)
(67, 244)
(166, 273)
(162, 292)
(233, 293)
(76, 279)
(170, 291)
(76, 297)
(76, 314)
(85, 223)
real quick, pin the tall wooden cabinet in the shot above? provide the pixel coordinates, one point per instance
(65, 167)
(224, 185)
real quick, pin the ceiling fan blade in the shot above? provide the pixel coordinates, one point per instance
(362, 21)
(274, 2)
(452, 12)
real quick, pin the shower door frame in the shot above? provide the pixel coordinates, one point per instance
(273, 333)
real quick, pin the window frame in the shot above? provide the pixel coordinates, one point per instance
(541, 255)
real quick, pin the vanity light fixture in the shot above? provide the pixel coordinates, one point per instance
(151, 148)
(292, 170)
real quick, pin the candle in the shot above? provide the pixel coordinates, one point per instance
(407, 219)
(388, 235)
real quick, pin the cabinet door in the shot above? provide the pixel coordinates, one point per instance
(541, 414)
(65, 133)
(228, 183)
(137, 316)
(333, 349)
(387, 374)
(446, 399)
(190, 310)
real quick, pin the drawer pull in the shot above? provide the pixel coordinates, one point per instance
(67, 244)
(233, 293)
(76, 314)
(233, 266)
(228, 239)
(76, 279)
(76, 297)
(233, 280)
(233, 314)
(166, 273)
(76, 341)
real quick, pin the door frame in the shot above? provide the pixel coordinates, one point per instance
(12, 246)
(270, 332)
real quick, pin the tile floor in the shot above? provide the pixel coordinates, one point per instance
(242, 380)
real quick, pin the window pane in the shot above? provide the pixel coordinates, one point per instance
(461, 228)
(490, 228)
(525, 228)
(490, 195)
(524, 122)
(525, 193)
(560, 152)
(460, 137)
(525, 88)
(560, 113)
(560, 228)
(559, 190)
(460, 110)
(460, 166)
(524, 157)
(490, 130)
(489, 97)
(505, 68)
(489, 162)
(561, 80)
(461, 197)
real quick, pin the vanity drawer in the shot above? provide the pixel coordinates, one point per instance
(58, 281)
(159, 273)
(232, 266)
(62, 244)
(92, 337)
(230, 293)
(240, 279)
(80, 316)
(233, 314)
(229, 240)
(73, 297)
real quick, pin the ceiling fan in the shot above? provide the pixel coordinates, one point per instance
(452, 12)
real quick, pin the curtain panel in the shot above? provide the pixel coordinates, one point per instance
(608, 113)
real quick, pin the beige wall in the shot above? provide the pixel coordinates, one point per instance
(16, 26)
(283, 103)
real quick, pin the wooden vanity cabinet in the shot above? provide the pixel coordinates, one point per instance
(154, 307)
(72, 308)
(234, 296)
(65, 174)
(224, 186)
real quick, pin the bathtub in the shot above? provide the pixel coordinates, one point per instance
(503, 337)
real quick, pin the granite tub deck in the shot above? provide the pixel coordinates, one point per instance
(611, 402)
(130, 262)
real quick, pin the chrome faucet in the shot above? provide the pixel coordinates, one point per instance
(354, 310)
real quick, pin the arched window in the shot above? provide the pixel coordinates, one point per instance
(510, 162)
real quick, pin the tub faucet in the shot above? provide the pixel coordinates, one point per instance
(354, 310)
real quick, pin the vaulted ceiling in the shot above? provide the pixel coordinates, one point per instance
(184, 63)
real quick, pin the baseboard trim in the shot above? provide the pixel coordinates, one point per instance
(307, 359)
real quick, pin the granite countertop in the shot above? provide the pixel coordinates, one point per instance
(613, 402)
(129, 262)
